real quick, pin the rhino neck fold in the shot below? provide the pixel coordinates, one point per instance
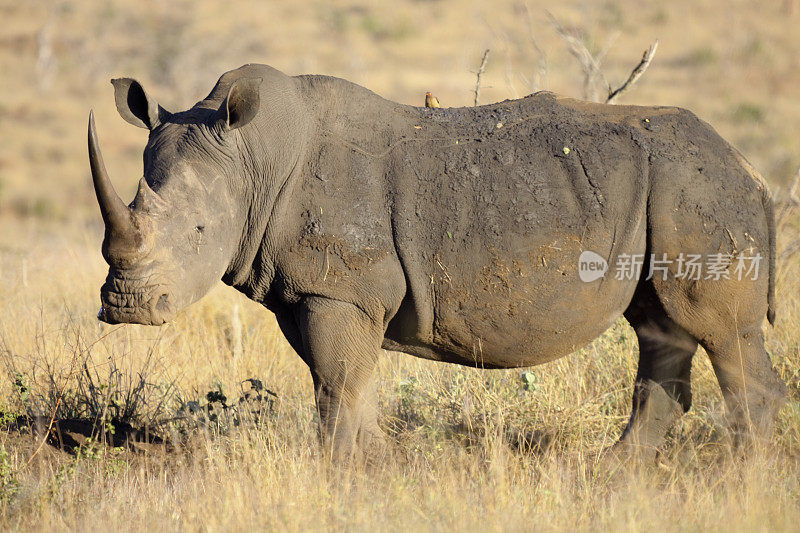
(272, 149)
(252, 268)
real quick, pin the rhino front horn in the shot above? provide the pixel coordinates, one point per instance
(120, 230)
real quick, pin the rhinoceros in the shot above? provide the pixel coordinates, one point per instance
(497, 236)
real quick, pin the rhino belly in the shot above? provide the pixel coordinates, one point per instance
(528, 306)
(520, 333)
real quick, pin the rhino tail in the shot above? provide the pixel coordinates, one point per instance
(769, 210)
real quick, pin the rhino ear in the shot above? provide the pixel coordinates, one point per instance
(241, 104)
(135, 105)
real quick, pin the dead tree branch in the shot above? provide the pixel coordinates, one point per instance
(589, 64)
(636, 73)
(478, 75)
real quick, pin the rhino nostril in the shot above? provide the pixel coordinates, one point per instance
(163, 303)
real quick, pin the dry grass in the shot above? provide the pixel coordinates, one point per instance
(471, 450)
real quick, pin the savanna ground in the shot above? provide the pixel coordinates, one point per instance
(220, 406)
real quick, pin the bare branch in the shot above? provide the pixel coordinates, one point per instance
(589, 64)
(478, 75)
(601, 56)
(636, 73)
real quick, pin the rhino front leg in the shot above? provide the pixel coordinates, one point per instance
(341, 345)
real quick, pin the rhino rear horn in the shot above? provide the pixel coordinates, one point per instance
(241, 104)
(147, 199)
(120, 229)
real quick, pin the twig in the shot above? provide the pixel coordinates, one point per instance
(61, 394)
(478, 76)
(589, 64)
(636, 73)
(601, 56)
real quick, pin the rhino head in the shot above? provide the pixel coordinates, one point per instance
(202, 169)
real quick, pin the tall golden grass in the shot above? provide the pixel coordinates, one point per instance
(470, 449)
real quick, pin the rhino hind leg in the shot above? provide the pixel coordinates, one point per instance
(718, 206)
(726, 317)
(662, 391)
(751, 388)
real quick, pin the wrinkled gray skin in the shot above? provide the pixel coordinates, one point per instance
(448, 234)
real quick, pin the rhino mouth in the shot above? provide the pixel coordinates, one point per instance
(135, 301)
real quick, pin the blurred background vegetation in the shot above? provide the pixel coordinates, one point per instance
(733, 63)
